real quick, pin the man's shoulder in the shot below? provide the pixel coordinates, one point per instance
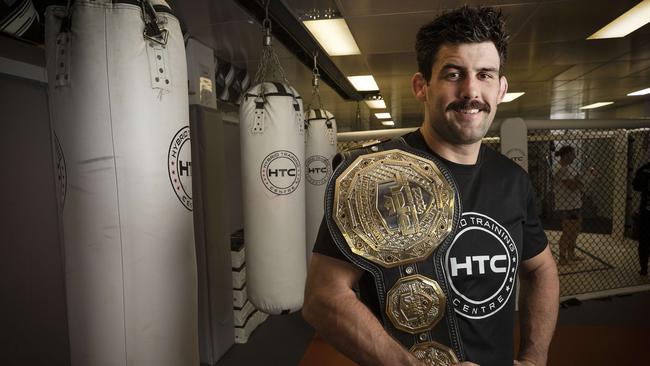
(408, 140)
(499, 161)
(364, 149)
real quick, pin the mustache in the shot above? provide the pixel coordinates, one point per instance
(468, 104)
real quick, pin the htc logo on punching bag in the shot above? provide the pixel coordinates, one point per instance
(282, 172)
(317, 168)
(179, 166)
(185, 168)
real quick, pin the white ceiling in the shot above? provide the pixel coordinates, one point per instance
(549, 58)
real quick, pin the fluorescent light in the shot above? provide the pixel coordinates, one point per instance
(388, 123)
(627, 23)
(376, 104)
(640, 92)
(383, 115)
(596, 105)
(509, 97)
(363, 82)
(334, 36)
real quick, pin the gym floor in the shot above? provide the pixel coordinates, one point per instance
(609, 331)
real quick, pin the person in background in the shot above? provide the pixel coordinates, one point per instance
(569, 186)
(641, 184)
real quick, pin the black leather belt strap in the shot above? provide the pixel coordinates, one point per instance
(433, 267)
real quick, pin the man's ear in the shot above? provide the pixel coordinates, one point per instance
(419, 87)
(503, 88)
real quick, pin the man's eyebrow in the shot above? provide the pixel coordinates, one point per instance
(458, 67)
(452, 66)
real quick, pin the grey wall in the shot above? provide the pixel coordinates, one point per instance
(211, 234)
(33, 326)
(233, 169)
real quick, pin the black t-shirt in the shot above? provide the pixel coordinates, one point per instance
(499, 228)
(641, 184)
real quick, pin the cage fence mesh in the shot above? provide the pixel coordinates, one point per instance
(587, 205)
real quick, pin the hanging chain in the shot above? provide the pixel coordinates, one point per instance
(358, 116)
(269, 63)
(315, 102)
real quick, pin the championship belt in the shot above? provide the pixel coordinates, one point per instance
(393, 211)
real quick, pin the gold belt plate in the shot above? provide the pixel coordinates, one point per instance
(415, 304)
(393, 207)
(434, 354)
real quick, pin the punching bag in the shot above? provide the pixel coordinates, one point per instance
(118, 99)
(320, 148)
(272, 152)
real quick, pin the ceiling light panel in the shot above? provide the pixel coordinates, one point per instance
(383, 115)
(376, 104)
(639, 92)
(388, 123)
(596, 105)
(363, 82)
(627, 23)
(334, 36)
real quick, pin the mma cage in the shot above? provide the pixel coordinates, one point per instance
(607, 155)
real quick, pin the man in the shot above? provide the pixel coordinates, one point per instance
(568, 188)
(641, 184)
(460, 59)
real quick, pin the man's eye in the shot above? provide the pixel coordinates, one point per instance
(485, 76)
(453, 75)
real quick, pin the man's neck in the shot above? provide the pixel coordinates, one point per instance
(460, 154)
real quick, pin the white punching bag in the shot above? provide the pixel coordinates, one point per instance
(272, 154)
(320, 148)
(119, 107)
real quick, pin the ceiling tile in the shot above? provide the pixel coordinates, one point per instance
(352, 65)
(362, 8)
(570, 20)
(397, 64)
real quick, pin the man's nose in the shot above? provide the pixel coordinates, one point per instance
(469, 88)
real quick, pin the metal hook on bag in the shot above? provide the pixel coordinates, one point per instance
(66, 22)
(328, 121)
(315, 72)
(266, 24)
(315, 93)
(152, 30)
(266, 40)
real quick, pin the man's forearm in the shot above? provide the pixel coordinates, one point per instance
(538, 313)
(347, 324)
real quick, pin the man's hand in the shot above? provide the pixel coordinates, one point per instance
(539, 296)
(465, 363)
(333, 309)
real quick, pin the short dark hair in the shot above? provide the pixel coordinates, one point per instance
(566, 149)
(462, 25)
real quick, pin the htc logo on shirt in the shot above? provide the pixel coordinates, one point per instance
(478, 264)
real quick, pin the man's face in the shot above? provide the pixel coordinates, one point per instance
(464, 91)
(570, 156)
